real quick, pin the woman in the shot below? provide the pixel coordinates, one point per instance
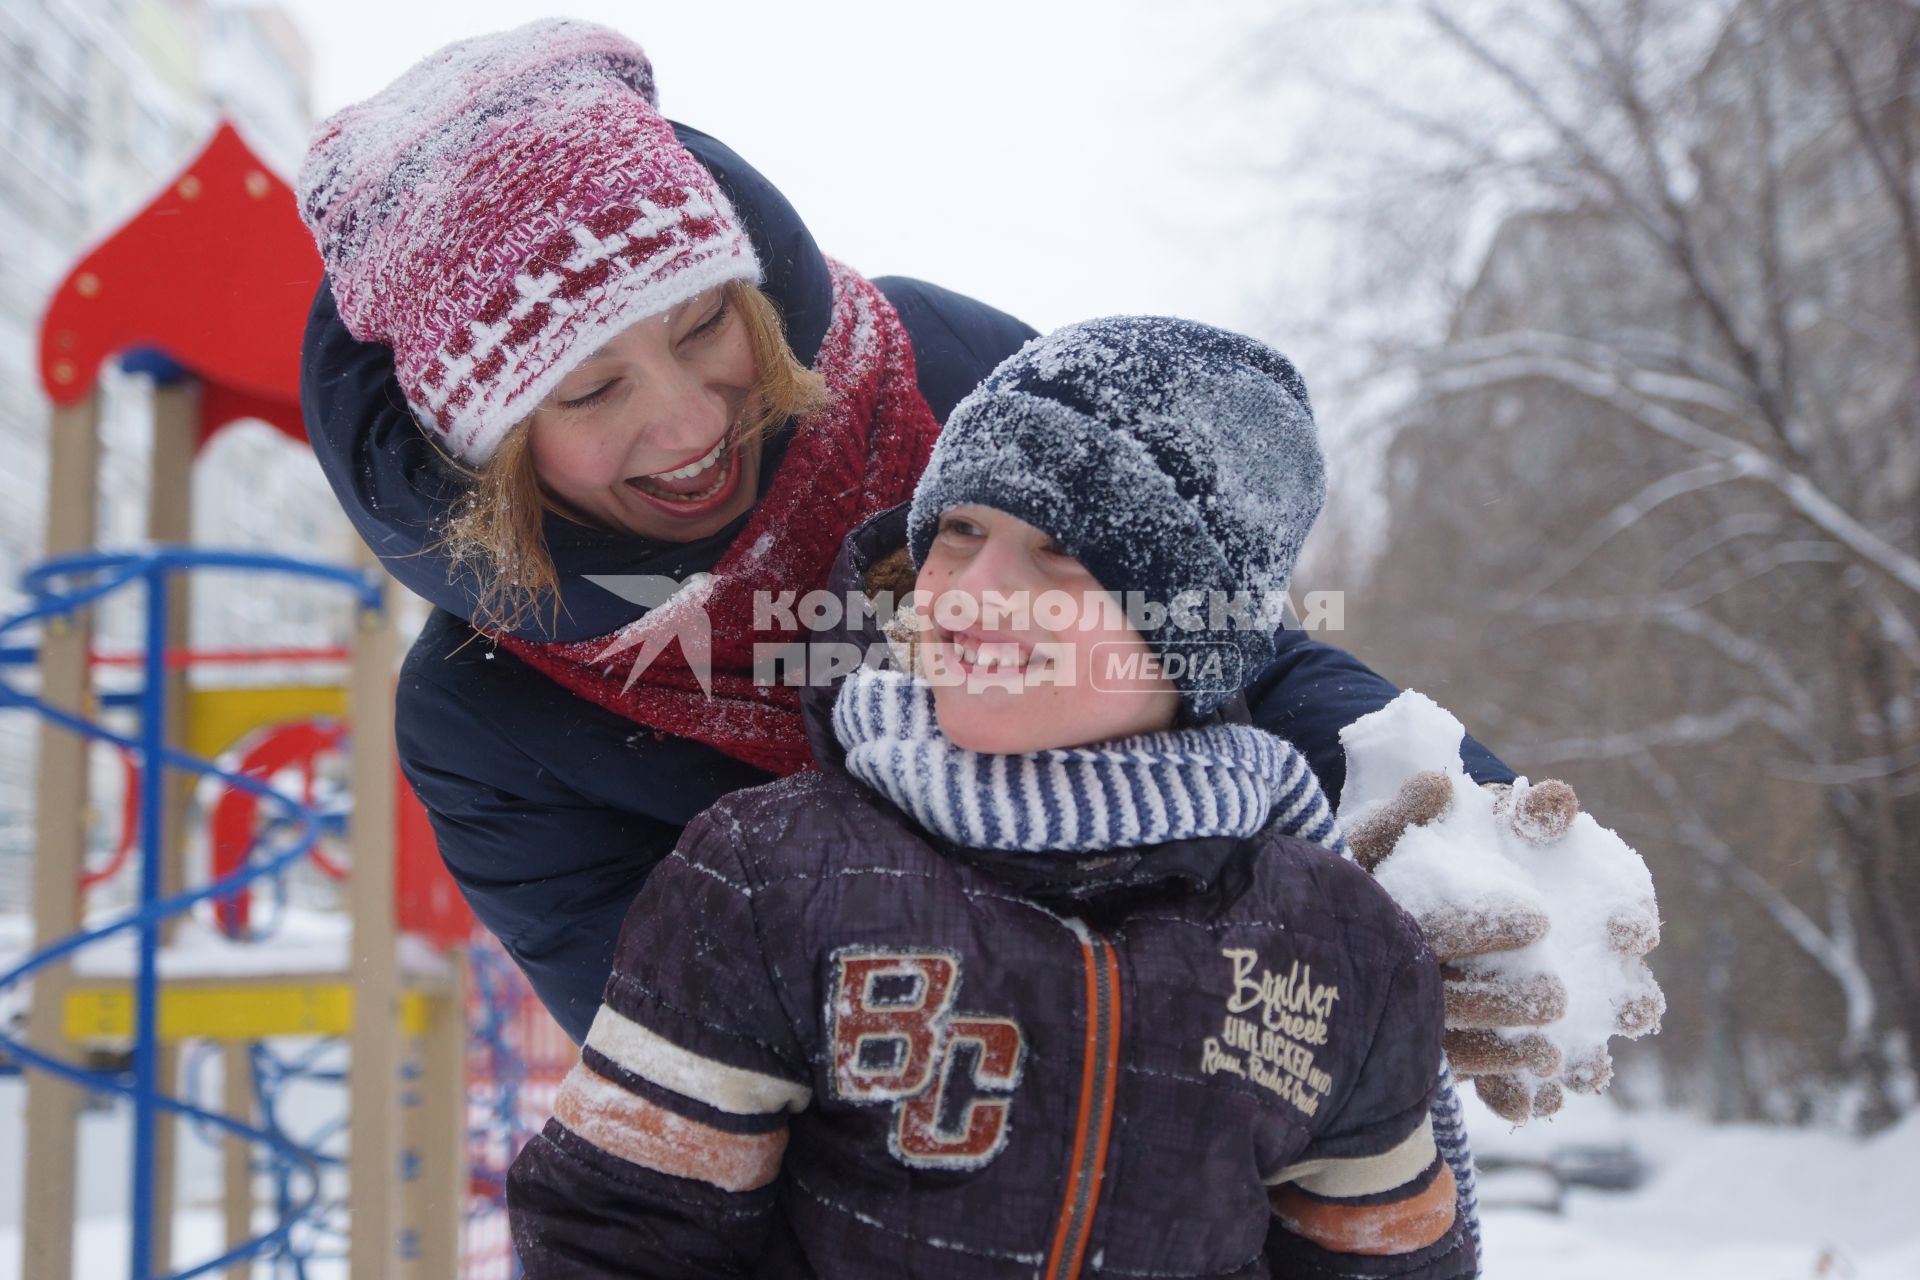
(580, 304)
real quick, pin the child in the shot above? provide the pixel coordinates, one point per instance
(1052, 967)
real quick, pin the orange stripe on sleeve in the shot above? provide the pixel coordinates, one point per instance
(1397, 1226)
(643, 1133)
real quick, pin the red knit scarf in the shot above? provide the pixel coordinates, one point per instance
(860, 455)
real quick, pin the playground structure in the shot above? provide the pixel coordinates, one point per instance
(207, 290)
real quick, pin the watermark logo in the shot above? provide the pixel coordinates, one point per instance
(1057, 611)
(676, 611)
(1209, 667)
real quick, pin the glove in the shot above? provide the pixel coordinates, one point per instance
(1518, 1072)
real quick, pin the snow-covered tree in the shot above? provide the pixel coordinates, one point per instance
(1653, 493)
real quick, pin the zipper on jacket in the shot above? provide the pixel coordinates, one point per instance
(1100, 1065)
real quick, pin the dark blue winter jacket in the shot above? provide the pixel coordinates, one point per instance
(550, 810)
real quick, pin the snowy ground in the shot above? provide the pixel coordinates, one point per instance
(1737, 1202)
(101, 1241)
(1730, 1203)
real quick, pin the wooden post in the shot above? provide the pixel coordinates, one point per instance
(236, 1155)
(373, 1121)
(411, 1198)
(441, 1139)
(176, 435)
(60, 836)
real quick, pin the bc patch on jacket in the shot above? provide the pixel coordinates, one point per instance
(833, 1047)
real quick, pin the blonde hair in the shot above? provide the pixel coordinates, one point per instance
(497, 531)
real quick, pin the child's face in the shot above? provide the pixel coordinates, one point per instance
(1024, 649)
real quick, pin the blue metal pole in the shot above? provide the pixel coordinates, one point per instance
(146, 999)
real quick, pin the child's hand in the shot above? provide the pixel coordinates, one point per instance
(1518, 1073)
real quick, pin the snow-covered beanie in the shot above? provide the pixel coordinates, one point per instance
(505, 207)
(1168, 457)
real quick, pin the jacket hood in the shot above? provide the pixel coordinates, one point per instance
(1081, 882)
(398, 490)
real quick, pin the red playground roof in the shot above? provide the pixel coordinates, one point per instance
(215, 276)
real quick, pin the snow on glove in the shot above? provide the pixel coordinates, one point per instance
(1538, 915)
(1481, 999)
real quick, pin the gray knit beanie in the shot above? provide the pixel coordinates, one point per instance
(1173, 459)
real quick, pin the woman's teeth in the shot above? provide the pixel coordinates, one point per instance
(671, 486)
(693, 468)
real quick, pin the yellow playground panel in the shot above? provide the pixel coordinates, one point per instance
(218, 718)
(232, 1009)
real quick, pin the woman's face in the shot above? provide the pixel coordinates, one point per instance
(1016, 667)
(641, 436)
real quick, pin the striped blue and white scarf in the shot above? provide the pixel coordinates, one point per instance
(1214, 780)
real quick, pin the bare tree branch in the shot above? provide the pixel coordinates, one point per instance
(1840, 773)
(1896, 182)
(1745, 524)
(1609, 387)
(1738, 648)
(1837, 956)
(1629, 513)
(1688, 729)
(1666, 220)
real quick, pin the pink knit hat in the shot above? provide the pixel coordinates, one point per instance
(505, 207)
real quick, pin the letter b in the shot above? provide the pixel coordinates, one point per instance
(887, 1016)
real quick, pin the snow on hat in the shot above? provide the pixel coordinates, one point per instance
(1167, 456)
(505, 207)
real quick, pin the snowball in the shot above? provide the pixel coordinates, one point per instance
(1486, 855)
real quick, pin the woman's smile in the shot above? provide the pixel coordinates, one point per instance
(701, 486)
